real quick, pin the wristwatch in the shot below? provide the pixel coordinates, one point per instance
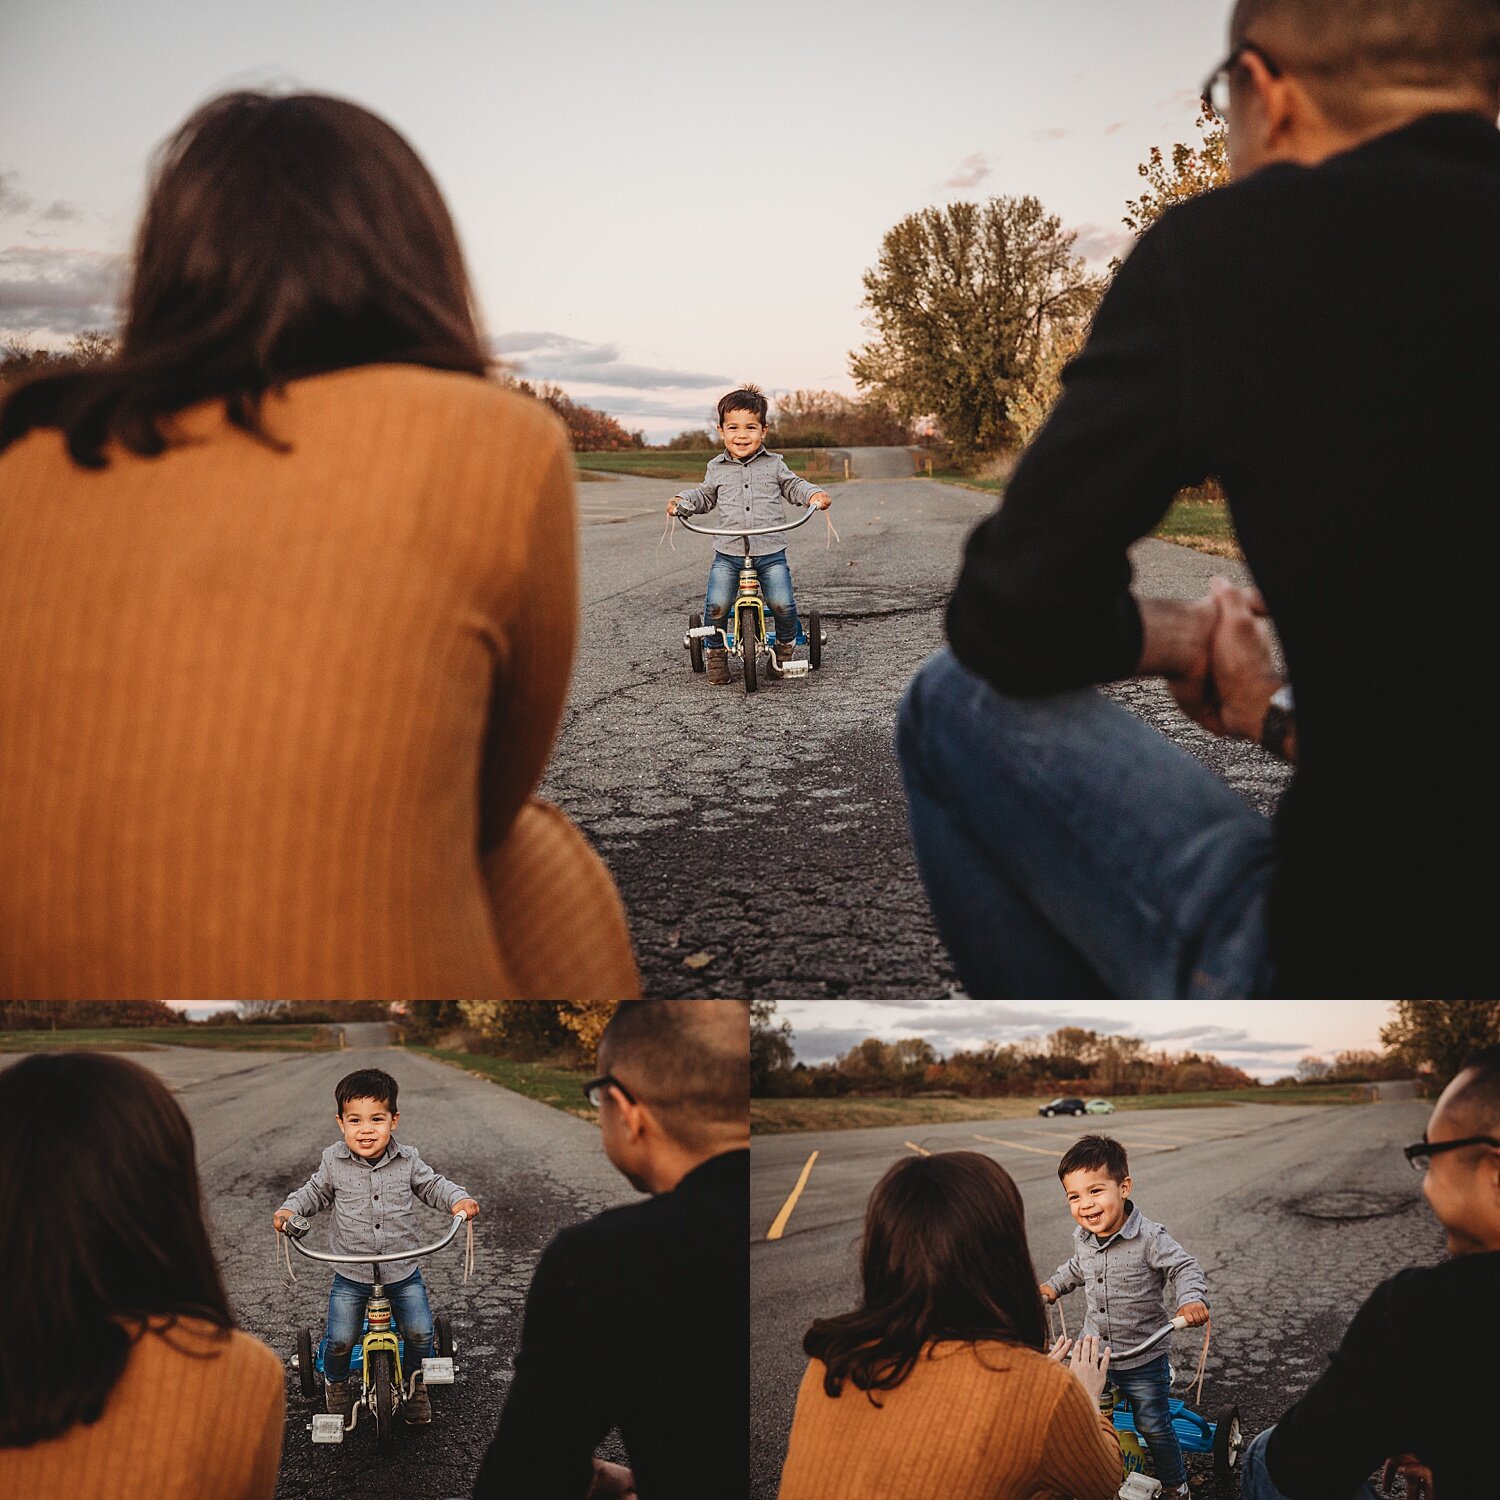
(1280, 721)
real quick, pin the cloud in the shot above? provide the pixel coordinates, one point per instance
(1097, 242)
(539, 355)
(1182, 99)
(60, 291)
(60, 212)
(971, 172)
(1054, 133)
(12, 199)
(1114, 126)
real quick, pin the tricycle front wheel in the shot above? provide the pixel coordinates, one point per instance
(307, 1372)
(814, 639)
(385, 1400)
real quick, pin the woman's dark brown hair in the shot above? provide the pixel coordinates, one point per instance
(102, 1229)
(945, 1257)
(284, 236)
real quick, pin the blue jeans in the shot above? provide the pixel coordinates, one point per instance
(1147, 1386)
(346, 1316)
(1069, 849)
(775, 584)
(1256, 1483)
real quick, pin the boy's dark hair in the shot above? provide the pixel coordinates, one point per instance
(1099, 1153)
(367, 1083)
(748, 398)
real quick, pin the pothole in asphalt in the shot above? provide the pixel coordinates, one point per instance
(1347, 1205)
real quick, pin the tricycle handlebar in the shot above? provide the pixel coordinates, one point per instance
(1164, 1332)
(752, 531)
(367, 1260)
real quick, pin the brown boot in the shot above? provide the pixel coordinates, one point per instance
(417, 1408)
(785, 650)
(716, 664)
(338, 1398)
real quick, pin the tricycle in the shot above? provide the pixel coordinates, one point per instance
(749, 628)
(385, 1384)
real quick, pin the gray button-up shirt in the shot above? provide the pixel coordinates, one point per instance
(1125, 1280)
(748, 493)
(372, 1203)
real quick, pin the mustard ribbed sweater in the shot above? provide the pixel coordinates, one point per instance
(972, 1422)
(175, 1427)
(261, 711)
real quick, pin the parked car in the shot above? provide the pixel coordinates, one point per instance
(1098, 1107)
(1062, 1107)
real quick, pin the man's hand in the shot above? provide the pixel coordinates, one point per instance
(1243, 667)
(1176, 639)
(1048, 1295)
(1090, 1366)
(1418, 1476)
(467, 1207)
(1195, 1312)
(280, 1217)
(820, 500)
(611, 1482)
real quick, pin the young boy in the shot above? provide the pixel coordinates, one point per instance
(370, 1180)
(1124, 1261)
(748, 485)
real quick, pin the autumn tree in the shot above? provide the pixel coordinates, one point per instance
(589, 429)
(771, 1054)
(829, 419)
(1439, 1034)
(1193, 170)
(963, 302)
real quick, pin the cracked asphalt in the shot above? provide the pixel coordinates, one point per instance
(760, 842)
(262, 1120)
(1296, 1214)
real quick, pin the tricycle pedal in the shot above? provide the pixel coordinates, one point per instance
(794, 669)
(327, 1427)
(437, 1371)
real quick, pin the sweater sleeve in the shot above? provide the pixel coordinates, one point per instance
(1355, 1415)
(1044, 601)
(1080, 1453)
(531, 687)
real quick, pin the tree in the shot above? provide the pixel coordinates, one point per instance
(771, 1052)
(1439, 1034)
(1194, 170)
(1311, 1069)
(963, 302)
(589, 430)
(828, 419)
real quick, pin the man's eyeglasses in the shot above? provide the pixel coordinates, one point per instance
(1215, 94)
(594, 1089)
(1420, 1154)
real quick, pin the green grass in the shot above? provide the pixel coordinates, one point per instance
(967, 481)
(780, 1116)
(144, 1038)
(1201, 524)
(544, 1082)
(686, 463)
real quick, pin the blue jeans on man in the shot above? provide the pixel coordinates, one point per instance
(1257, 1484)
(1068, 848)
(346, 1317)
(775, 584)
(1147, 1387)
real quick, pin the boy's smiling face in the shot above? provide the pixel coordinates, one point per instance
(1096, 1200)
(742, 433)
(367, 1125)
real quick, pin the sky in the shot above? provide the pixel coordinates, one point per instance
(1266, 1038)
(656, 201)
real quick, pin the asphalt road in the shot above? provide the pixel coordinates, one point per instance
(764, 838)
(262, 1121)
(1295, 1213)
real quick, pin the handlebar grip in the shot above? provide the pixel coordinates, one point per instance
(295, 1227)
(1179, 1321)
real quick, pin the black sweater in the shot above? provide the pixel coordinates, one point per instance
(1409, 1377)
(1327, 341)
(637, 1319)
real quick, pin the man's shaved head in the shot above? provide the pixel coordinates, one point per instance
(1352, 52)
(1474, 1096)
(689, 1060)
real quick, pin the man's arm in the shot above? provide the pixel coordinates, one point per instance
(560, 1402)
(1044, 601)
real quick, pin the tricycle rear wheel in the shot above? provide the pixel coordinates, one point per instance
(695, 642)
(1229, 1444)
(307, 1372)
(442, 1333)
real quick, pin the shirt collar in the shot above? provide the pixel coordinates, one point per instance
(1127, 1231)
(726, 457)
(392, 1148)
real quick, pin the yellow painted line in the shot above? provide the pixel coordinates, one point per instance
(778, 1224)
(920, 1150)
(1040, 1150)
